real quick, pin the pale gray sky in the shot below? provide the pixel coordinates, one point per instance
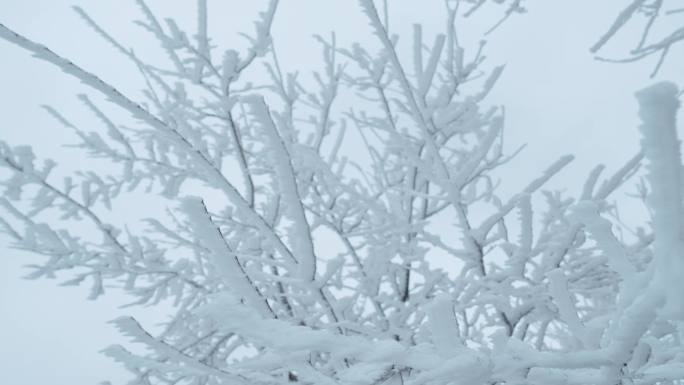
(557, 98)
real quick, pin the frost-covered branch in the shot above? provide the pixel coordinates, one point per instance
(294, 249)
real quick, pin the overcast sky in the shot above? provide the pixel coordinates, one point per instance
(558, 99)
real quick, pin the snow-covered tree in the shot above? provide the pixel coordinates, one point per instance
(346, 228)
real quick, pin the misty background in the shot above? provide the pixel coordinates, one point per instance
(558, 99)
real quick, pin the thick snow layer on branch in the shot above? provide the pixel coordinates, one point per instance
(658, 106)
(289, 345)
(282, 163)
(222, 257)
(558, 286)
(600, 229)
(443, 326)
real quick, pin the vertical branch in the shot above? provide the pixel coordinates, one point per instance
(558, 286)
(416, 112)
(658, 105)
(302, 241)
(202, 38)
